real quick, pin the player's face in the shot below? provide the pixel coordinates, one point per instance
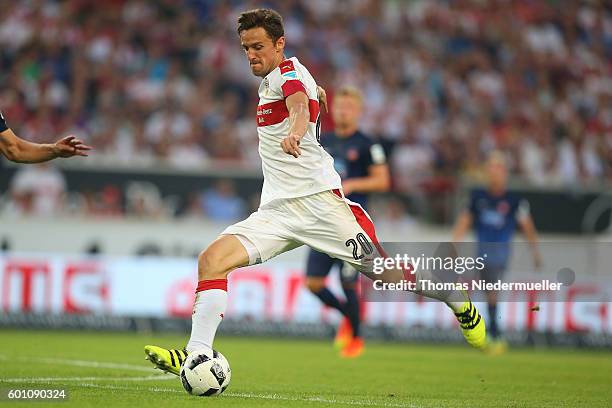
(263, 54)
(497, 174)
(346, 111)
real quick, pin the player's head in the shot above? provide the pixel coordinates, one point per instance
(346, 110)
(263, 39)
(497, 171)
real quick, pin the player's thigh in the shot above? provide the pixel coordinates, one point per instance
(262, 235)
(222, 256)
(348, 274)
(318, 264)
(341, 231)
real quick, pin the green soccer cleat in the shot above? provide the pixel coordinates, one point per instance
(472, 326)
(168, 360)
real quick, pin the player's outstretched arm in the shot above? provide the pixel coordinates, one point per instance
(378, 180)
(299, 115)
(529, 229)
(463, 224)
(21, 151)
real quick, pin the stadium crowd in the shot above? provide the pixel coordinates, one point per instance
(445, 82)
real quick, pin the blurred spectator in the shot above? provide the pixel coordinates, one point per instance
(186, 152)
(38, 190)
(221, 203)
(143, 200)
(106, 203)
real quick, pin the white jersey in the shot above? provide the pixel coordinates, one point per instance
(284, 175)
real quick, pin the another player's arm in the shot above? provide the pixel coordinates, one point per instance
(322, 95)
(21, 151)
(299, 116)
(377, 180)
(462, 225)
(528, 227)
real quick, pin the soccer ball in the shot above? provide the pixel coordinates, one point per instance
(205, 373)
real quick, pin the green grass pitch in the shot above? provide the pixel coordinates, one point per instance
(109, 370)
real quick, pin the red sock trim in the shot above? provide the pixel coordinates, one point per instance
(408, 275)
(212, 284)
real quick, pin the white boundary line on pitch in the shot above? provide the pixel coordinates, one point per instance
(80, 363)
(62, 379)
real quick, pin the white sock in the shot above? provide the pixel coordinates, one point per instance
(208, 309)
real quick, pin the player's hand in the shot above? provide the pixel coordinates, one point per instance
(537, 261)
(322, 98)
(347, 187)
(70, 146)
(291, 145)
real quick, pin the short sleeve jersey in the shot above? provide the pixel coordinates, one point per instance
(284, 175)
(495, 218)
(353, 157)
(3, 125)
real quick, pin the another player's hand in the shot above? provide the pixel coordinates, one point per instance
(70, 146)
(537, 261)
(291, 145)
(322, 98)
(347, 187)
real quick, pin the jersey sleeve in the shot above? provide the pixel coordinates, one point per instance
(376, 154)
(3, 125)
(287, 80)
(522, 209)
(471, 205)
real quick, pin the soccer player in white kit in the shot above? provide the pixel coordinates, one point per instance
(301, 202)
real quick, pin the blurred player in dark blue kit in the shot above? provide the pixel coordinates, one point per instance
(21, 151)
(494, 213)
(363, 168)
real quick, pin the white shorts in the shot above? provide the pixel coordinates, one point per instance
(326, 222)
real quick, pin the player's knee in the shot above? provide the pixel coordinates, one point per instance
(315, 285)
(210, 265)
(348, 285)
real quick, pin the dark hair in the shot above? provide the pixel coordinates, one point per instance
(267, 19)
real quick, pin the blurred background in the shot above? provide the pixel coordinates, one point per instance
(163, 92)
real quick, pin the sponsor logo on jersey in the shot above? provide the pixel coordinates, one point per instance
(262, 111)
(503, 207)
(287, 70)
(290, 75)
(276, 112)
(271, 113)
(286, 66)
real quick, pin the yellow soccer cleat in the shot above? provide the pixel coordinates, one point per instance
(472, 326)
(497, 347)
(168, 360)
